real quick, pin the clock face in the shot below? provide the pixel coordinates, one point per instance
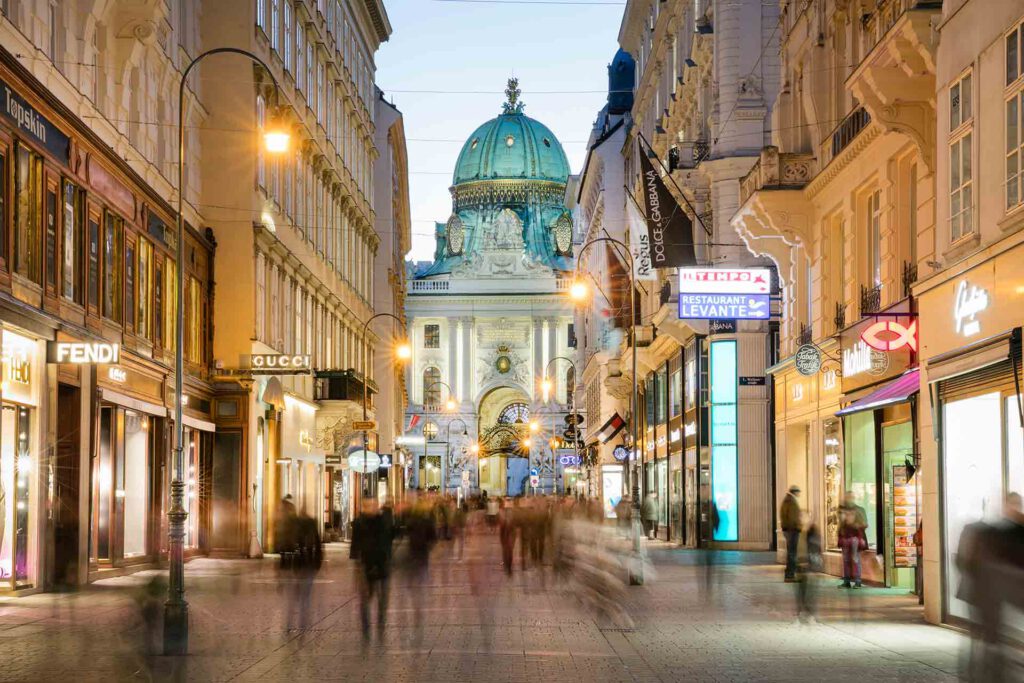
(503, 364)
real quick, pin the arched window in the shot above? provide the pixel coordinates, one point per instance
(570, 383)
(431, 387)
(514, 413)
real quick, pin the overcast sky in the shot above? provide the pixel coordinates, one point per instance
(464, 52)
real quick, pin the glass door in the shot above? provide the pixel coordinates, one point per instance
(900, 504)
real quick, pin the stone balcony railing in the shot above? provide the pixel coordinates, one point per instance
(777, 171)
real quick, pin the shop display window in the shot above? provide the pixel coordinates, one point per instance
(1014, 446)
(121, 486)
(15, 490)
(724, 439)
(28, 188)
(193, 478)
(113, 266)
(973, 475)
(833, 455)
(860, 468)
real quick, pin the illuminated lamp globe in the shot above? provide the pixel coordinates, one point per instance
(578, 291)
(403, 352)
(276, 141)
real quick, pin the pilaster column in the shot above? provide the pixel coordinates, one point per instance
(538, 351)
(552, 352)
(453, 356)
(467, 359)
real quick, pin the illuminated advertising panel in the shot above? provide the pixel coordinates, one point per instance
(724, 438)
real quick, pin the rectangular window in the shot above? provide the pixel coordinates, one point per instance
(3, 204)
(52, 190)
(129, 285)
(960, 188)
(300, 324)
(874, 217)
(960, 102)
(94, 262)
(158, 302)
(1014, 42)
(144, 287)
(71, 243)
(261, 162)
(261, 14)
(113, 228)
(28, 187)
(310, 69)
(275, 18)
(170, 312)
(1014, 150)
(675, 389)
(724, 441)
(431, 336)
(195, 319)
(289, 48)
(300, 54)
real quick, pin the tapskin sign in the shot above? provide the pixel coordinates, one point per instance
(33, 124)
(669, 229)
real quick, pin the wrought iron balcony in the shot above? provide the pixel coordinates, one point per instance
(909, 277)
(806, 335)
(847, 131)
(840, 317)
(343, 385)
(870, 300)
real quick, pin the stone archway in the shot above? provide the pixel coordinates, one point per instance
(502, 463)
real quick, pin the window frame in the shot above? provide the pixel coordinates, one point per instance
(961, 135)
(432, 336)
(1013, 93)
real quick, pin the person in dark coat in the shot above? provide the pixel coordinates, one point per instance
(372, 536)
(421, 535)
(853, 540)
(789, 520)
(306, 559)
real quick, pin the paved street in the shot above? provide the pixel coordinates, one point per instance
(738, 626)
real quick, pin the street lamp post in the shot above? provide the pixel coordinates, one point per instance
(403, 351)
(176, 608)
(547, 386)
(579, 292)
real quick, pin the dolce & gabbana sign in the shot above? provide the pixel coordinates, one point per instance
(280, 364)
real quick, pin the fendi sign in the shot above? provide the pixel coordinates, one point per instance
(82, 353)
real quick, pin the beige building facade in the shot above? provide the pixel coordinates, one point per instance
(843, 203)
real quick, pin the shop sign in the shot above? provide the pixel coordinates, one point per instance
(18, 361)
(798, 393)
(305, 440)
(807, 360)
(737, 306)
(620, 453)
(120, 375)
(725, 281)
(829, 380)
(861, 364)
(81, 353)
(385, 461)
(364, 461)
(970, 301)
(410, 440)
(279, 364)
(752, 381)
(30, 122)
(569, 459)
(332, 459)
(364, 425)
(721, 326)
(890, 335)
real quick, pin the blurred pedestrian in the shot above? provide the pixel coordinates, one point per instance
(492, 506)
(789, 520)
(421, 534)
(507, 535)
(306, 560)
(649, 515)
(284, 529)
(852, 539)
(808, 563)
(372, 536)
(624, 515)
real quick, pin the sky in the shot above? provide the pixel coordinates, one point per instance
(464, 52)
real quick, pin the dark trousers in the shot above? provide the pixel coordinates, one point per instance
(370, 588)
(792, 541)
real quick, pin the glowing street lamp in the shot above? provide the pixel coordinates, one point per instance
(475, 448)
(579, 290)
(534, 426)
(526, 442)
(403, 351)
(545, 388)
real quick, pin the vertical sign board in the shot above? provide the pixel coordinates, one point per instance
(724, 454)
(904, 510)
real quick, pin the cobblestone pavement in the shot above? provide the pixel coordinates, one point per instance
(732, 620)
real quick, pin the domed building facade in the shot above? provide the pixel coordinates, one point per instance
(490, 319)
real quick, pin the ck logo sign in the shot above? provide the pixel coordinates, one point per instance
(889, 335)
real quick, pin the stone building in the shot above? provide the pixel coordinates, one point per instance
(490, 318)
(842, 202)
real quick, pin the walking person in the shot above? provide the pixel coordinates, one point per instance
(649, 515)
(307, 558)
(421, 534)
(789, 520)
(852, 539)
(372, 535)
(808, 563)
(507, 534)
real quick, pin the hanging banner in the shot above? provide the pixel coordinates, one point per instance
(669, 229)
(639, 245)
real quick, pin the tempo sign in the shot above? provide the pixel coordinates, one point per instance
(725, 280)
(82, 353)
(279, 364)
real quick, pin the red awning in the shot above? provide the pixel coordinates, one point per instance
(895, 391)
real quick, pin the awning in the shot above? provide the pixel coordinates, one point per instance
(895, 391)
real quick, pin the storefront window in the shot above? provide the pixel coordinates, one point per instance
(15, 470)
(170, 296)
(973, 472)
(661, 396)
(691, 381)
(675, 389)
(832, 431)
(193, 321)
(611, 488)
(1014, 446)
(112, 266)
(193, 476)
(28, 185)
(724, 439)
(860, 472)
(144, 279)
(94, 262)
(121, 486)
(3, 202)
(72, 244)
(133, 485)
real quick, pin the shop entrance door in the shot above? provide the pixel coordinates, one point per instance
(66, 486)
(227, 507)
(900, 513)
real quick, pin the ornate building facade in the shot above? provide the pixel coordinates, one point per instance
(490, 317)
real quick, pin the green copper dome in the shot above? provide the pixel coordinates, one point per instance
(512, 147)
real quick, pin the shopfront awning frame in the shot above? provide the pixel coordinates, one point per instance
(898, 390)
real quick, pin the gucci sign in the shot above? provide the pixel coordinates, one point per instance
(279, 364)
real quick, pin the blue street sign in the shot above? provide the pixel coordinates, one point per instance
(534, 472)
(735, 306)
